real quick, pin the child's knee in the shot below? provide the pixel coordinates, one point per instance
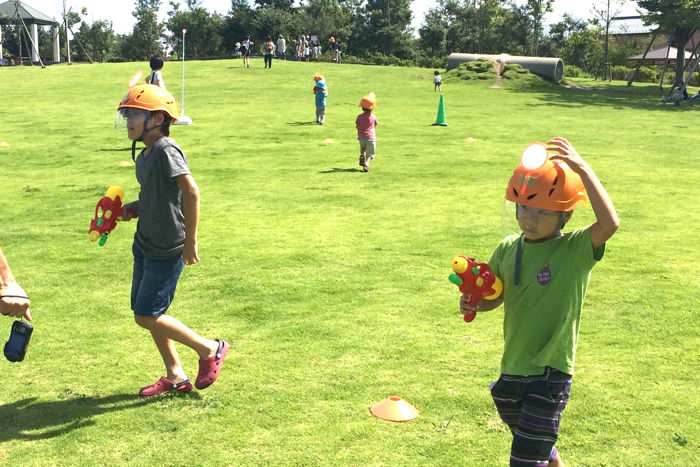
(146, 322)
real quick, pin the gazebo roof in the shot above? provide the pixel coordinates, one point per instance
(30, 15)
(660, 55)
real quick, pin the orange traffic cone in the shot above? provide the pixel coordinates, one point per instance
(394, 409)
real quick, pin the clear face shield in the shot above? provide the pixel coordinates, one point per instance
(137, 117)
(533, 222)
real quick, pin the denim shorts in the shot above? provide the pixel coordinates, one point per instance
(153, 283)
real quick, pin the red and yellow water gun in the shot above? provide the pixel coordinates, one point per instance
(107, 211)
(476, 281)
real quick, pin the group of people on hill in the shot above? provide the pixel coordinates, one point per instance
(303, 48)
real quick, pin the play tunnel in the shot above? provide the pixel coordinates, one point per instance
(548, 68)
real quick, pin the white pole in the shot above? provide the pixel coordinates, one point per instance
(183, 119)
(184, 31)
(35, 43)
(65, 31)
(56, 45)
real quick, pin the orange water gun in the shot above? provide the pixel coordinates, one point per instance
(476, 281)
(107, 211)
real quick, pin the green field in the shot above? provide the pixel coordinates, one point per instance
(331, 283)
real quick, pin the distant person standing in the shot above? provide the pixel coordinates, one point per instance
(437, 81)
(321, 92)
(281, 47)
(156, 75)
(268, 50)
(333, 45)
(338, 51)
(307, 48)
(246, 48)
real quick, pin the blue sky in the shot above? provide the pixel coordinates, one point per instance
(119, 11)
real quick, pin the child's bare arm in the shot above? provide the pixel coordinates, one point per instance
(16, 302)
(607, 221)
(190, 208)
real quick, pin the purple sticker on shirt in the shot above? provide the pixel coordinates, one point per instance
(544, 276)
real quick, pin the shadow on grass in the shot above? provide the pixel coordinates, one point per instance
(599, 94)
(337, 170)
(301, 123)
(28, 420)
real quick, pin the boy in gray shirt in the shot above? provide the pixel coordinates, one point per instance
(165, 239)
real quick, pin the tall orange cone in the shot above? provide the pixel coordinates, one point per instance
(394, 409)
(441, 119)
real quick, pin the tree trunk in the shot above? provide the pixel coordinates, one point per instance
(680, 62)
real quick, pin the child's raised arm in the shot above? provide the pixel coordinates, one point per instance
(607, 221)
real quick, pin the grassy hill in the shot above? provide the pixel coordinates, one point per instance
(332, 283)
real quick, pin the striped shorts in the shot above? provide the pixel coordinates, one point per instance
(531, 406)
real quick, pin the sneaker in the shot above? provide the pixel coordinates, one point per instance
(362, 161)
(210, 368)
(164, 386)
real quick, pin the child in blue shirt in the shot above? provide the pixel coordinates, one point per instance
(321, 92)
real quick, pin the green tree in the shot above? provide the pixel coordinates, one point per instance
(433, 33)
(204, 30)
(327, 18)
(584, 49)
(384, 27)
(678, 18)
(98, 40)
(145, 39)
(536, 9)
(238, 23)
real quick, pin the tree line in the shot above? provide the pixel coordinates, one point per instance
(372, 31)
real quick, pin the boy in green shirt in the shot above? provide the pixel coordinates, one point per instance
(545, 275)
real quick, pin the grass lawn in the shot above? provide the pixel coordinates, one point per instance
(331, 283)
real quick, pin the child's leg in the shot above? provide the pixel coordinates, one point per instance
(538, 425)
(171, 359)
(167, 328)
(152, 292)
(371, 150)
(363, 151)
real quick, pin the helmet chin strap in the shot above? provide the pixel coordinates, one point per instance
(145, 130)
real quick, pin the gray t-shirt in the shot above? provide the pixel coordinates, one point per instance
(161, 228)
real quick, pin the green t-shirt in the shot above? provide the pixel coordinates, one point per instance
(543, 312)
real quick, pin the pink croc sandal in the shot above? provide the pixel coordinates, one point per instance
(164, 386)
(209, 368)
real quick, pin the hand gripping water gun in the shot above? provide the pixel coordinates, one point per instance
(476, 281)
(108, 209)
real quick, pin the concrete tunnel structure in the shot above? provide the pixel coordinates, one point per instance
(549, 68)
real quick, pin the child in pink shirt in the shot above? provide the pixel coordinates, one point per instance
(366, 123)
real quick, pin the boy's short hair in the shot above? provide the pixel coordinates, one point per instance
(156, 62)
(437, 72)
(165, 127)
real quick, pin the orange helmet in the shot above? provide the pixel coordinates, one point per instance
(369, 101)
(151, 98)
(541, 183)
